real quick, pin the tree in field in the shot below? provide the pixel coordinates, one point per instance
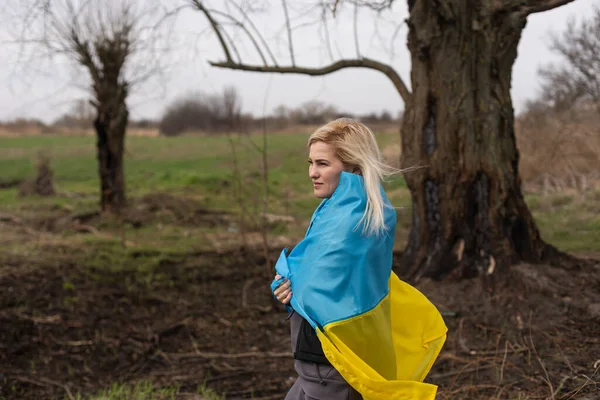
(577, 77)
(211, 113)
(112, 41)
(469, 215)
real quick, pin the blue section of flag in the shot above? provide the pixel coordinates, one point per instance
(338, 272)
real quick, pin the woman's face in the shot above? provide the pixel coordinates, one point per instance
(324, 169)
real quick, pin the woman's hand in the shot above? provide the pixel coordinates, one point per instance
(283, 293)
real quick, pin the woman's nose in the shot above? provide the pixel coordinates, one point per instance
(312, 172)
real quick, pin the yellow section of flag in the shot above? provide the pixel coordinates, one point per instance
(386, 353)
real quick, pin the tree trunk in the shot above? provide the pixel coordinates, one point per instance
(110, 135)
(469, 215)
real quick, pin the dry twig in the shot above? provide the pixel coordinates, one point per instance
(45, 382)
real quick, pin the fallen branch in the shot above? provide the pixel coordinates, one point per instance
(460, 371)
(77, 343)
(226, 367)
(225, 322)
(539, 360)
(86, 228)
(245, 304)
(10, 183)
(82, 217)
(52, 319)
(245, 292)
(44, 382)
(17, 221)
(10, 218)
(230, 356)
(495, 352)
(226, 376)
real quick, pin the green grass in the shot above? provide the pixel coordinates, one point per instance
(138, 391)
(202, 168)
(150, 164)
(572, 223)
(146, 391)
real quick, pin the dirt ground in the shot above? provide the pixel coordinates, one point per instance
(67, 327)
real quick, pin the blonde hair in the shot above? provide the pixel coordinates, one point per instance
(355, 145)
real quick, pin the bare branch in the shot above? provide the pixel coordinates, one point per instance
(240, 25)
(335, 5)
(375, 5)
(394, 36)
(359, 62)
(82, 50)
(232, 44)
(540, 6)
(262, 39)
(356, 30)
(169, 14)
(327, 39)
(578, 76)
(339, 65)
(289, 30)
(215, 27)
(525, 8)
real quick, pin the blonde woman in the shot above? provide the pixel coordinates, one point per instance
(337, 283)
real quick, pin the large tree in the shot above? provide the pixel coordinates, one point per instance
(469, 215)
(112, 40)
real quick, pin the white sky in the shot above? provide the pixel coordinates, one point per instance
(46, 89)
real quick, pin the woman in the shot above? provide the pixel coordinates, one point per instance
(347, 337)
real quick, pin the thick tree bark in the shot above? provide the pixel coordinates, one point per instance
(110, 135)
(469, 216)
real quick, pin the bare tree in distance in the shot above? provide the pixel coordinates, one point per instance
(577, 77)
(317, 112)
(232, 106)
(114, 42)
(469, 214)
(197, 111)
(561, 121)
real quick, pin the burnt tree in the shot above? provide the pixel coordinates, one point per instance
(110, 92)
(469, 215)
(103, 47)
(112, 41)
(468, 207)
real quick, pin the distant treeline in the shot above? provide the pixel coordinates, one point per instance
(210, 113)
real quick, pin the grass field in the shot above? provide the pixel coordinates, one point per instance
(202, 169)
(148, 391)
(147, 300)
(202, 166)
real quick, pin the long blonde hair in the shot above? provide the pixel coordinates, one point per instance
(355, 145)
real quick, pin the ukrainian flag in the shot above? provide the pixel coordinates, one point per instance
(380, 333)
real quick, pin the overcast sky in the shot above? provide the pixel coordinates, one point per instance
(46, 89)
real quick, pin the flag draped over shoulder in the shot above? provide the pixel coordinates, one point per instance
(380, 333)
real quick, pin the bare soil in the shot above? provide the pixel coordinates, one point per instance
(68, 327)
